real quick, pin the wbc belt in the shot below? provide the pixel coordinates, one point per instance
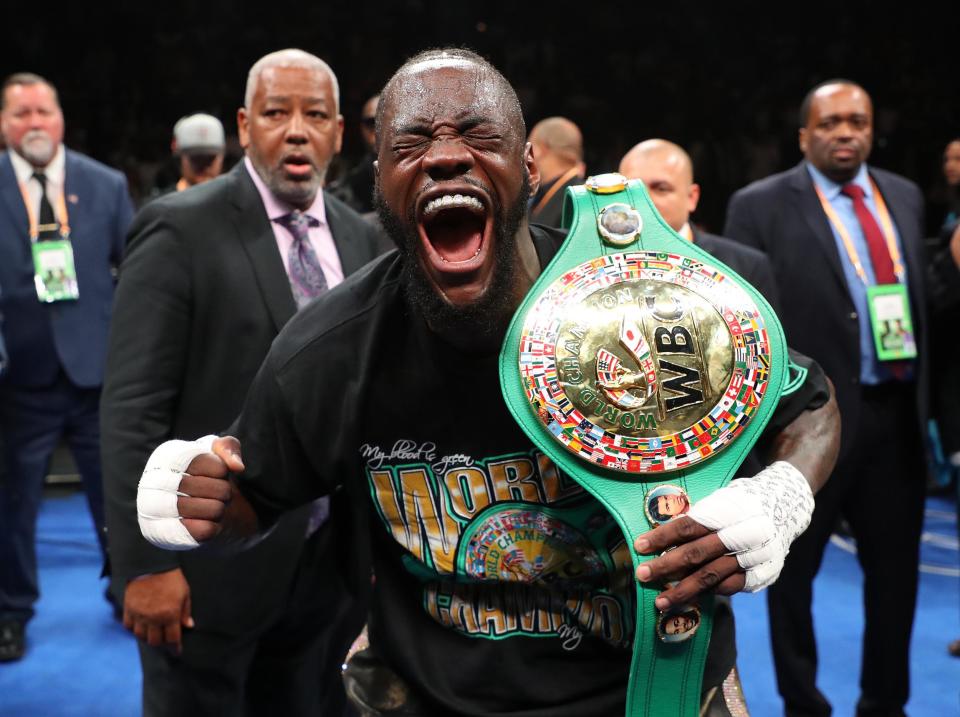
(646, 370)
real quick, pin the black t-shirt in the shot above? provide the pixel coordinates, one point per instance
(501, 586)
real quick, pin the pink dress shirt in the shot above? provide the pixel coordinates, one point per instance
(320, 237)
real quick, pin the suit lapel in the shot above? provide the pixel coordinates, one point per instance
(12, 198)
(817, 222)
(903, 220)
(73, 194)
(259, 242)
(347, 245)
(910, 241)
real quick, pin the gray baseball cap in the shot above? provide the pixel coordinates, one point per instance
(199, 133)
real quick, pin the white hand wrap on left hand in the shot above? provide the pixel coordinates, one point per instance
(758, 518)
(159, 488)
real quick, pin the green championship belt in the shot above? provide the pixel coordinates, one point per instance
(646, 370)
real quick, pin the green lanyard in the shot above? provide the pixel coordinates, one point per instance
(646, 370)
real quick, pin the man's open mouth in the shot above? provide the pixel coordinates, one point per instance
(297, 165)
(454, 228)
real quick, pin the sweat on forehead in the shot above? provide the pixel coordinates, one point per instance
(430, 61)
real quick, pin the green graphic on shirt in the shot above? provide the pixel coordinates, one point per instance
(508, 546)
(524, 543)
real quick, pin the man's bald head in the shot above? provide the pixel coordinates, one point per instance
(440, 58)
(665, 168)
(657, 152)
(557, 146)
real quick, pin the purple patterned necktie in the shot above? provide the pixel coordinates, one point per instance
(305, 273)
(307, 281)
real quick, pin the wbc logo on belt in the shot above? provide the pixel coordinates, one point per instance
(644, 361)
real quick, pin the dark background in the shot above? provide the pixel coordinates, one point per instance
(724, 80)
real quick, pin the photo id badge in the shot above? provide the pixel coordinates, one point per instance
(890, 322)
(55, 275)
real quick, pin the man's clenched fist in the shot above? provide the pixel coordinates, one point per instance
(184, 491)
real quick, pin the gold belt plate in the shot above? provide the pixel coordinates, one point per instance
(644, 362)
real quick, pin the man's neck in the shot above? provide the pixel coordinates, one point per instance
(36, 167)
(53, 169)
(551, 170)
(840, 176)
(266, 192)
(529, 265)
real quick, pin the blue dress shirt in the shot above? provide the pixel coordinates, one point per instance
(872, 371)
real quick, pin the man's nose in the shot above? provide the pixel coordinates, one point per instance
(846, 130)
(447, 158)
(296, 129)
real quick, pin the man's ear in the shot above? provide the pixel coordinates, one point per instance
(336, 149)
(243, 127)
(532, 170)
(693, 198)
(802, 139)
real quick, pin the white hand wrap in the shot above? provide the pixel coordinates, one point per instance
(158, 491)
(758, 518)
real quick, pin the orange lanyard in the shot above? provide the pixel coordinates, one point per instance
(888, 233)
(554, 188)
(61, 210)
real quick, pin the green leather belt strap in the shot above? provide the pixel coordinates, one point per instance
(639, 362)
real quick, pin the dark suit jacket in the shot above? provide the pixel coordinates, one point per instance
(42, 338)
(751, 264)
(3, 347)
(202, 294)
(781, 215)
(551, 213)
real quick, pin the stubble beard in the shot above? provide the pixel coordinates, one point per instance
(296, 193)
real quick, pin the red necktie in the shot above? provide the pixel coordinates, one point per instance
(879, 254)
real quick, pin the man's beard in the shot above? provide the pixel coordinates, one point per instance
(487, 318)
(38, 148)
(296, 193)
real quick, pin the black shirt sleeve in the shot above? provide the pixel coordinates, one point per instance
(278, 475)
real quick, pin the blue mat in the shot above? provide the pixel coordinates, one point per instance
(838, 620)
(81, 662)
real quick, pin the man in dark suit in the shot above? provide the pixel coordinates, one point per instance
(63, 217)
(667, 171)
(834, 228)
(558, 149)
(210, 277)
